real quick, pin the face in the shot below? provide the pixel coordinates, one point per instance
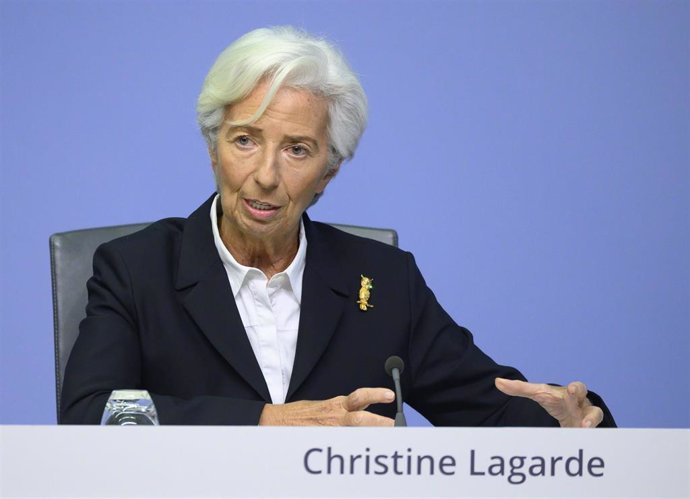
(269, 171)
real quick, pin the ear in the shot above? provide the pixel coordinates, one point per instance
(327, 177)
(212, 154)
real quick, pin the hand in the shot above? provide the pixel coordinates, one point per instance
(338, 411)
(569, 405)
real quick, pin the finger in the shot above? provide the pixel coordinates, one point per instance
(363, 397)
(578, 390)
(574, 402)
(517, 388)
(365, 418)
(593, 416)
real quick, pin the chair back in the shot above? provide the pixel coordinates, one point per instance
(71, 255)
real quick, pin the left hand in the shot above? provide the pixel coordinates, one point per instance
(569, 405)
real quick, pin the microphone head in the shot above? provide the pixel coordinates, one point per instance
(394, 362)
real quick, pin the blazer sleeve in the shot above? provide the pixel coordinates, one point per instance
(453, 380)
(107, 356)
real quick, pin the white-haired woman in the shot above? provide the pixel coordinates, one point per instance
(247, 312)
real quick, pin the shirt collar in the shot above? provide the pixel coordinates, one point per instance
(238, 272)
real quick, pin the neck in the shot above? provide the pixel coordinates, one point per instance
(271, 254)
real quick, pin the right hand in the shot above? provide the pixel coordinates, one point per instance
(339, 411)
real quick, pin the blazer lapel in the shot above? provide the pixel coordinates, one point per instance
(206, 294)
(324, 296)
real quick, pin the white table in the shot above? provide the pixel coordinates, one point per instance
(52, 461)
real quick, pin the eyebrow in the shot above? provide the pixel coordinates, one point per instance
(259, 131)
(248, 128)
(304, 138)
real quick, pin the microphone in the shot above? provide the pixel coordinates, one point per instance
(394, 367)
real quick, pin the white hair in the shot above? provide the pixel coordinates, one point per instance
(285, 56)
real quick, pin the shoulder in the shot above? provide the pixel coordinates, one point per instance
(354, 255)
(163, 250)
(161, 234)
(165, 235)
(340, 241)
(146, 256)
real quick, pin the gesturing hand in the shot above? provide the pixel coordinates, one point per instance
(339, 411)
(569, 405)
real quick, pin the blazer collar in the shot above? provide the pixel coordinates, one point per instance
(324, 296)
(198, 255)
(207, 296)
(205, 292)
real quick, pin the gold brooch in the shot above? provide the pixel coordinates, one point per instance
(366, 284)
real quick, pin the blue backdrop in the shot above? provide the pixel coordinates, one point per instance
(534, 156)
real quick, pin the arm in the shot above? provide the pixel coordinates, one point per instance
(121, 346)
(571, 406)
(338, 411)
(453, 380)
(108, 355)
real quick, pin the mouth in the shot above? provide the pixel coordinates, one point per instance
(260, 209)
(258, 205)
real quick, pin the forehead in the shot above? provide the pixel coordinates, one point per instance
(291, 108)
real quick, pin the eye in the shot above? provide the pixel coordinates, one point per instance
(243, 141)
(298, 150)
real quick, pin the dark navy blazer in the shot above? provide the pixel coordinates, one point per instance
(161, 316)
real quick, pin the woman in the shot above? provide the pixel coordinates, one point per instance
(247, 312)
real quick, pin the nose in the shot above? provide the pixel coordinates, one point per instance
(267, 172)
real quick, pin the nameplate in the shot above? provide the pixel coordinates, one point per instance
(68, 461)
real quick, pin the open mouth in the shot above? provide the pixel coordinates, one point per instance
(260, 209)
(258, 205)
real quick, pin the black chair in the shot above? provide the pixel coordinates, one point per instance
(71, 255)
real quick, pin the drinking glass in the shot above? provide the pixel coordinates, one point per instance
(130, 407)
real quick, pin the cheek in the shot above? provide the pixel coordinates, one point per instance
(229, 173)
(302, 189)
(323, 182)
